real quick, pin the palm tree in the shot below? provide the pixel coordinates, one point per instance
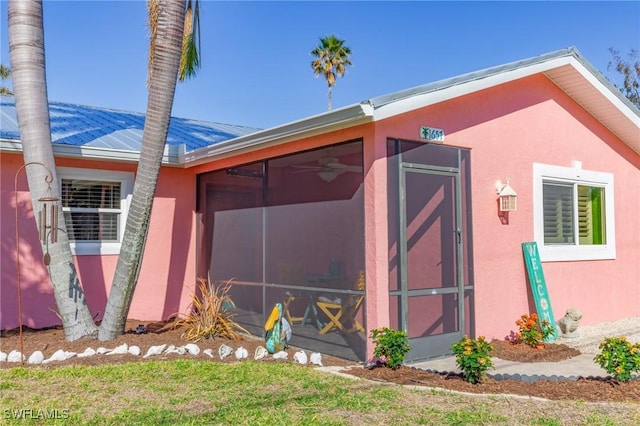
(170, 41)
(5, 74)
(26, 50)
(331, 60)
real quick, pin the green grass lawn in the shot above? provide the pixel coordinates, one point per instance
(188, 392)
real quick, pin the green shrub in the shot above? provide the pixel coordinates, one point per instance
(391, 346)
(619, 357)
(473, 357)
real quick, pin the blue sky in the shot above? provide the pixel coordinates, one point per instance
(255, 55)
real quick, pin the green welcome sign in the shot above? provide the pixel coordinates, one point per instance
(538, 286)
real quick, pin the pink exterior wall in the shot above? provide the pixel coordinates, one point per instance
(508, 128)
(167, 276)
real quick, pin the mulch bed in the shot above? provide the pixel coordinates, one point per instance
(50, 340)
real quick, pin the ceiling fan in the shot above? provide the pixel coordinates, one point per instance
(329, 168)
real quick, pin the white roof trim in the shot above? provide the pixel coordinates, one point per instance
(322, 123)
(610, 108)
(608, 94)
(169, 158)
(456, 90)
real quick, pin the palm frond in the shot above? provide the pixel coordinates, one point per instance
(152, 20)
(190, 56)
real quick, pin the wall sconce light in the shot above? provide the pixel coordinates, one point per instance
(508, 197)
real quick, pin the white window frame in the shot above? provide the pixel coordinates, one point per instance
(126, 180)
(573, 175)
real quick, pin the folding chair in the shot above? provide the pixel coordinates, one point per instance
(293, 274)
(342, 315)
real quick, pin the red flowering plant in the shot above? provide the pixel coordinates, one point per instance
(532, 331)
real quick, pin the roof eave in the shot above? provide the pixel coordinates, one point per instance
(606, 103)
(318, 124)
(171, 156)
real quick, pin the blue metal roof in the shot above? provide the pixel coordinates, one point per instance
(87, 126)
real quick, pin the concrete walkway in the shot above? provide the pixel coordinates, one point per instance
(586, 341)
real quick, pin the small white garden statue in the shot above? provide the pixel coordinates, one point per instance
(569, 323)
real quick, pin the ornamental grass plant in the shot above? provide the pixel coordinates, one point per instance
(211, 315)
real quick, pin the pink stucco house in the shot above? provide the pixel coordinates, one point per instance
(402, 187)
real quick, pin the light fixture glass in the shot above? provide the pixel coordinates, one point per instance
(508, 197)
(327, 176)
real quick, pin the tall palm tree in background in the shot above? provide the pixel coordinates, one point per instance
(172, 54)
(331, 60)
(5, 74)
(26, 51)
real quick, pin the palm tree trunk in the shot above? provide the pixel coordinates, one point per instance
(26, 49)
(329, 97)
(162, 86)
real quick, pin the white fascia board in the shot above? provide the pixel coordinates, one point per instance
(323, 123)
(466, 87)
(605, 92)
(91, 153)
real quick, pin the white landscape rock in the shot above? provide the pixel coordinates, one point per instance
(102, 350)
(316, 359)
(192, 348)
(15, 356)
(134, 350)
(87, 353)
(260, 353)
(208, 352)
(300, 357)
(280, 355)
(155, 350)
(59, 355)
(224, 351)
(119, 350)
(172, 349)
(3, 356)
(36, 358)
(241, 353)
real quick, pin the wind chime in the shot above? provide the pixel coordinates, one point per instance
(44, 228)
(48, 228)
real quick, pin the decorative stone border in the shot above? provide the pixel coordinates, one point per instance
(192, 349)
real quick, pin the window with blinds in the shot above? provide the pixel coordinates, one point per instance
(573, 214)
(91, 209)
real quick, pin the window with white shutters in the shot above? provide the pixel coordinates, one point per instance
(573, 213)
(571, 207)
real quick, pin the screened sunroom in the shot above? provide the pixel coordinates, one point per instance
(291, 230)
